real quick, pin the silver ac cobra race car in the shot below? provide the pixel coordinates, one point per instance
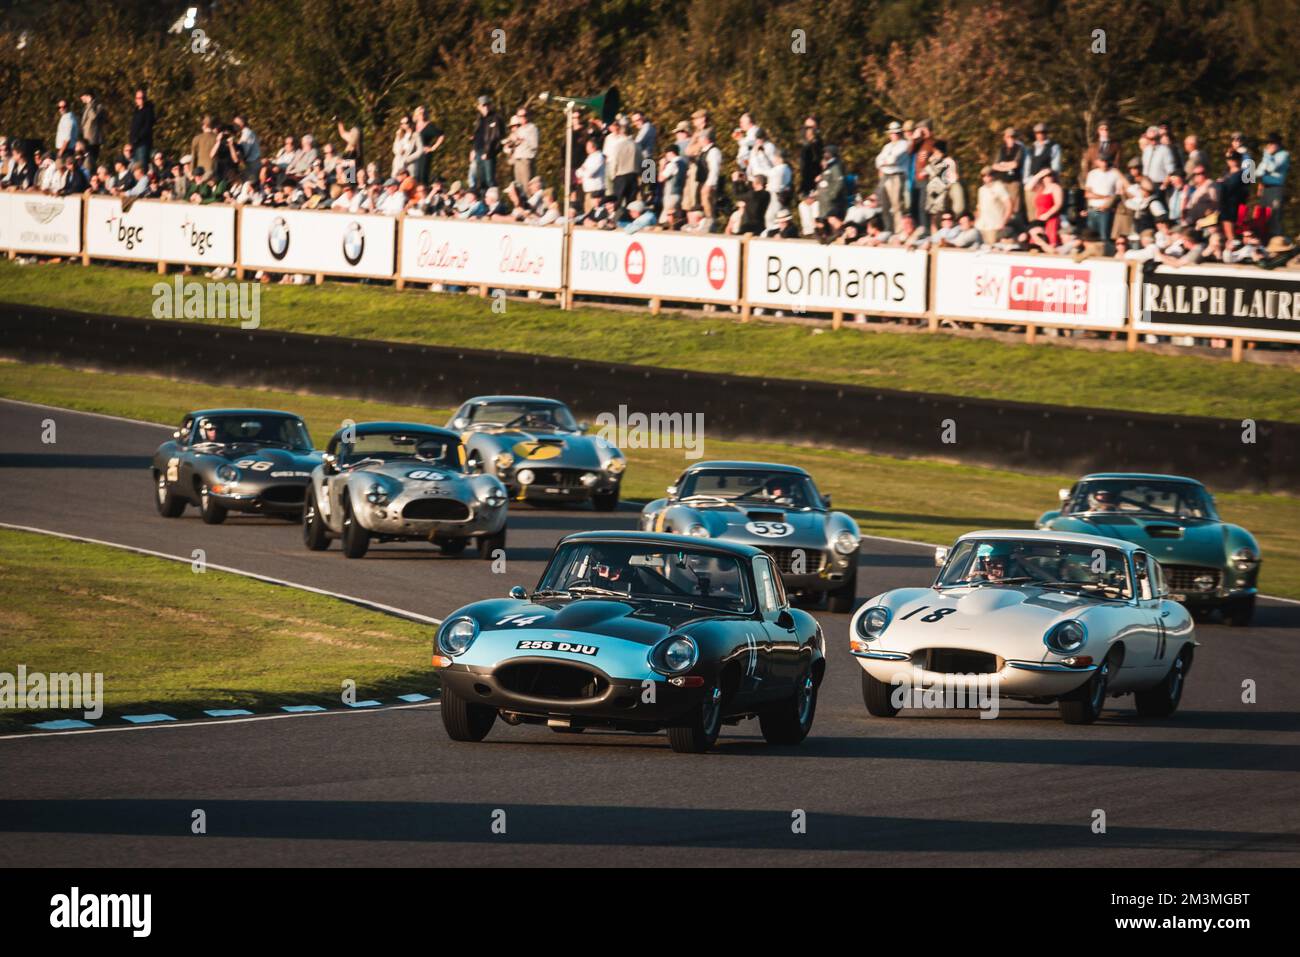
(1040, 616)
(537, 449)
(234, 460)
(773, 507)
(399, 481)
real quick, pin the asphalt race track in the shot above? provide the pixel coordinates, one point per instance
(1216, 784)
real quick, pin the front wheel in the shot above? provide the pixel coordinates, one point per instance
(878, 696)
(211, 512)
(1239, 612)
(1084, 705)
(789, 721)
(356, 539)
(450, 546)
(840, 601)
(314, 534)
(605, 501)
(1162, 700)
(701, 730)
(168, 504)
(489, 545)
(465, 721)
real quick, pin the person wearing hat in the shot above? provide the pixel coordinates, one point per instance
(1043, 153)
(489, 133)
(1279, 252)
(1272, 172)
(890, 164)
(640, 217)
(1008, 168)
(1241, 147)
(522, 144)
(672, 177)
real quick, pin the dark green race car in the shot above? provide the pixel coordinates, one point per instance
(1208, 563)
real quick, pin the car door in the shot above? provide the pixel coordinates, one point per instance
(781, 651)
(1145, 645)
(1165, 613)
(335, 483)
(180, 467)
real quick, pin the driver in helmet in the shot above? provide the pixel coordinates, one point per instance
(994, 566)
(208, 431)
(1104, 500)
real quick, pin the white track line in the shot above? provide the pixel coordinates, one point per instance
(98, 415)
(212, 722)
(363, 602)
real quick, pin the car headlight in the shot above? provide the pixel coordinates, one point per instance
(525, 476)
(846, 542)
(228, 474)
(495, 497)
(1245, 559)
(874, 621)
(503, 461)
(458, 635)
(376, 494)
(675, 655)
(698, 530)
(616, 466)
(1066, 637)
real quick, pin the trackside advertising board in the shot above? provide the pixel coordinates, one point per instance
(154, 231)
(1225, 301)
(1038, 290)
(650, 265)
(482, 254)
(312, 241)
(36, 223)
(807, 276)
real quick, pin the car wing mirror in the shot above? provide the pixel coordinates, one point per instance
(1063, 494)
(940, 556)
(584, 426)
(176, 434)
(459, 423)
(330, 461)
(785, 619)
(672, 491)
(827, 500)
(519, 593)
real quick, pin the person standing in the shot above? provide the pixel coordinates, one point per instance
(142, 124)
(523, 144)
(204, 142)
(250, 149)
(488, 136)
(1043, 153)
(810, 156)
(889, 164)
(1272, 172)
(646, 139)
(428, 139)
(1102, 190)
(67, 132)
(94, 119)
(1009, 167)
(992, 207)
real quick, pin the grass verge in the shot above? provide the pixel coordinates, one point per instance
(954, 365)
(892, 497)
(167, 639)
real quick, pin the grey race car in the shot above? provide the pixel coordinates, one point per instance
(539, 451)
(774, 507)
(243, 460)
(399, 481)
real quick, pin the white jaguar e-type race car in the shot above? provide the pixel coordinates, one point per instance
(1039, 616)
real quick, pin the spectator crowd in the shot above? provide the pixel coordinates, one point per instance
(1167, 198)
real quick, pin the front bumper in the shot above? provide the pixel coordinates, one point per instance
(1016, 678)
(565, 485)
(273, 499)
(388, 520)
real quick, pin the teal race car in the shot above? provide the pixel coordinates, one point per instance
(1209, 564)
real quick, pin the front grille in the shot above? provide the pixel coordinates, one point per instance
(1182, 578)
(785, 557)
(442, 509)
(284, 494)
(558, 478)
(957, 661)
(557, 681)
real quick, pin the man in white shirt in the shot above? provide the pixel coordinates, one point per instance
(780, 183)
(393, 201)
(522, 143)
(890, 165)
(591, 174)
(1102, 191)
(68, 132)
(1158, 160)
(709, 188)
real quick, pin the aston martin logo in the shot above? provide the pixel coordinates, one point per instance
(44, 212)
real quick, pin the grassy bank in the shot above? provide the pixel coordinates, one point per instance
(900, 498)
(168, 639)
(941, 363)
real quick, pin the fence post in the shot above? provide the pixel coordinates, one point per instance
(1237, 343)
(239, 246)
(85, 225)
(399, 282)
(932, 279)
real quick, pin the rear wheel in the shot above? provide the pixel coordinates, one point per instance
(1084, 705)
(211, 512)
(605, 501)
(1162, 700)
(168, 504)
(356, 540)
(840, 601)
(314, 535)
(489, 544)
(789, 721)
(877, 695)
(1239, 612)
(465, 721)
(701, 730)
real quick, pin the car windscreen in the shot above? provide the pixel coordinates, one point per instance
(392, 446)
(704, 578)
(1090, 568)
(524, 415)
(1140, 497)
(751, 487)
(279, 430)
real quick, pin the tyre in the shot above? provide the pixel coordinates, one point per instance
(605, 501)
(211, 512)
(877, 695)
(1239, 612)
(702, 727)
(487, 544)
(789, 721)
(1084, 705)
(465, 721)
(356, 539)
(1162, 700)
(314, 534)
(840, 601)
(450, 546)
(168, 504)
